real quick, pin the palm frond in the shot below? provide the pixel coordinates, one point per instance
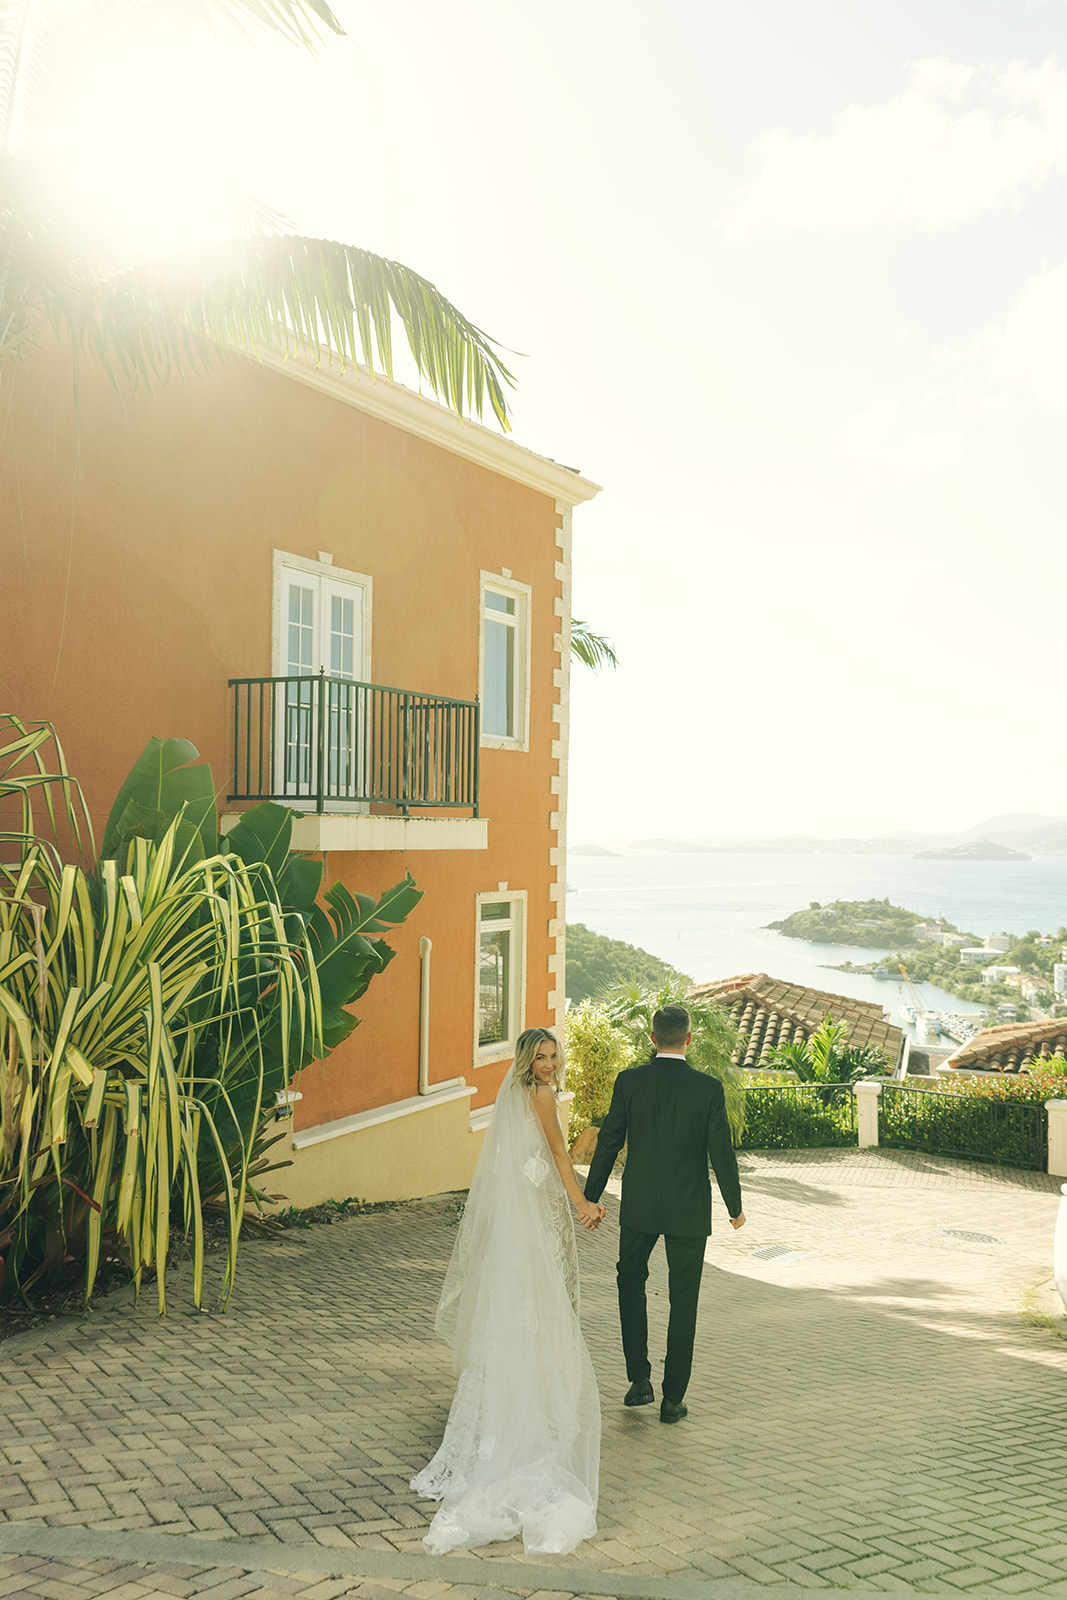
(591, 649)
(23, 28)
(297, 20)
(268, 293)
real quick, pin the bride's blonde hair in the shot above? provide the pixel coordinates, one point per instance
(525, 1051)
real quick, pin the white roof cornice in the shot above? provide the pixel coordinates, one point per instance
(391, 402)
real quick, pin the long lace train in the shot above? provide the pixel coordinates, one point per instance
(520, 1453)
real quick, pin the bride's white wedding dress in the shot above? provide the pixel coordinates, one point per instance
(521, 1451)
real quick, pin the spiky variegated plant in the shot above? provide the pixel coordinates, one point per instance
(143, 320)
(149, 1009)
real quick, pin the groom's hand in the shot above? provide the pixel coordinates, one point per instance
(738, 1221)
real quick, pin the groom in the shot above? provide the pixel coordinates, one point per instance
(674, 1118)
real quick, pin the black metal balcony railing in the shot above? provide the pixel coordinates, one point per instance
(330, 741)
(1010, 1133)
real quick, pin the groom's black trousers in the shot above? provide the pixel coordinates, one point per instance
(685, 1262)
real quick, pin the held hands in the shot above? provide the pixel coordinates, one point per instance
(590, 1214)
(738, 1221)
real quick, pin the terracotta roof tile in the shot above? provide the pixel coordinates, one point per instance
(769, 1012)
(1010, 1046)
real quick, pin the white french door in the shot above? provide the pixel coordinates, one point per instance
(324, 626)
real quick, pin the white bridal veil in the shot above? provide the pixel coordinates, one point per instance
(521, 1449)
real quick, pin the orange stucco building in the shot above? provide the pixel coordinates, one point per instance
(305, 531)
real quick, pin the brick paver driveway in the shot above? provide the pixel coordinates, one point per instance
(868, 1409)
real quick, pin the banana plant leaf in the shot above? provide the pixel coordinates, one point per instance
(163, 782)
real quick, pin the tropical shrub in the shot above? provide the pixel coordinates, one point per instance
(631, 1007)
(824, 1057)
(152, 1005)
(597, 1051)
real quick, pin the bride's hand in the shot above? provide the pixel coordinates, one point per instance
(590, 1213)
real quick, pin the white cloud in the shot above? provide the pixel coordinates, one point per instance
(972, 404)
(1026, 356)
(957, 142)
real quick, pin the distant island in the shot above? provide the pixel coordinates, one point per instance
(1021, 835)
(935, 951)
(977, 850)
(873, 923)
(591, 850)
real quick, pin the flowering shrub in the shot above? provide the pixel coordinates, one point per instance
(995, 1118)
(1042, 1079)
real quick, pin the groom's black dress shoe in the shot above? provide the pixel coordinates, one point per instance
(639, 1393)
(669, 1412)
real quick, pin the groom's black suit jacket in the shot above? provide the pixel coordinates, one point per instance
(675, 1121)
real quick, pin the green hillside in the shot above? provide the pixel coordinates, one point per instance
(594, 962)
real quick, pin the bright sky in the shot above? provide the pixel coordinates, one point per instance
(790, 281)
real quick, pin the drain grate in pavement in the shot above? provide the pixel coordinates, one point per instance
(972, 1238)
(780, 1252)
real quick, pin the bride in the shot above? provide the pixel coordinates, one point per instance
(522, 1444)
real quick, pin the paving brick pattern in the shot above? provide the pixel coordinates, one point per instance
(868, 1407)
(179, 1580)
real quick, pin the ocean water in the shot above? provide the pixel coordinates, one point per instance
(707, 914)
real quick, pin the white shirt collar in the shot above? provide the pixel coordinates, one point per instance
(671, 1055)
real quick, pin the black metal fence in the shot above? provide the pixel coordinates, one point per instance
(798, 1116)
(331, 741)
(1010, 1133)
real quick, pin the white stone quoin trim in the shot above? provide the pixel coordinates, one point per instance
(557, 800)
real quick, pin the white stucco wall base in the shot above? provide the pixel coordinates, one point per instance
(431, 1151)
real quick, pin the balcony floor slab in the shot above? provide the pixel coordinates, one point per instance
(345, 831)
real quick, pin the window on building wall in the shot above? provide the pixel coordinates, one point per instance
(504, 653)
(500, 972)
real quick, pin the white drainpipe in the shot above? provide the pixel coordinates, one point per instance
(425, 1086)
(1059, 1254)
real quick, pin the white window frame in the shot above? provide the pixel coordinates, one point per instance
(522, 594)
(281, 559)
(285, 567)
(504, 1049)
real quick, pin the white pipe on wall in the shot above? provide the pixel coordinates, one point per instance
(425, 1086)
(1059, 1249)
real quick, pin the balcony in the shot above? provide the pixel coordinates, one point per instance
(357, 759)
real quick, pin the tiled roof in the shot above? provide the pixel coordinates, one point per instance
(769, 1012)
(1009, 1047)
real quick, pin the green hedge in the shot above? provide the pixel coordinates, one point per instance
(1010, 1133)
(995, 1121)
(798, 1116)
